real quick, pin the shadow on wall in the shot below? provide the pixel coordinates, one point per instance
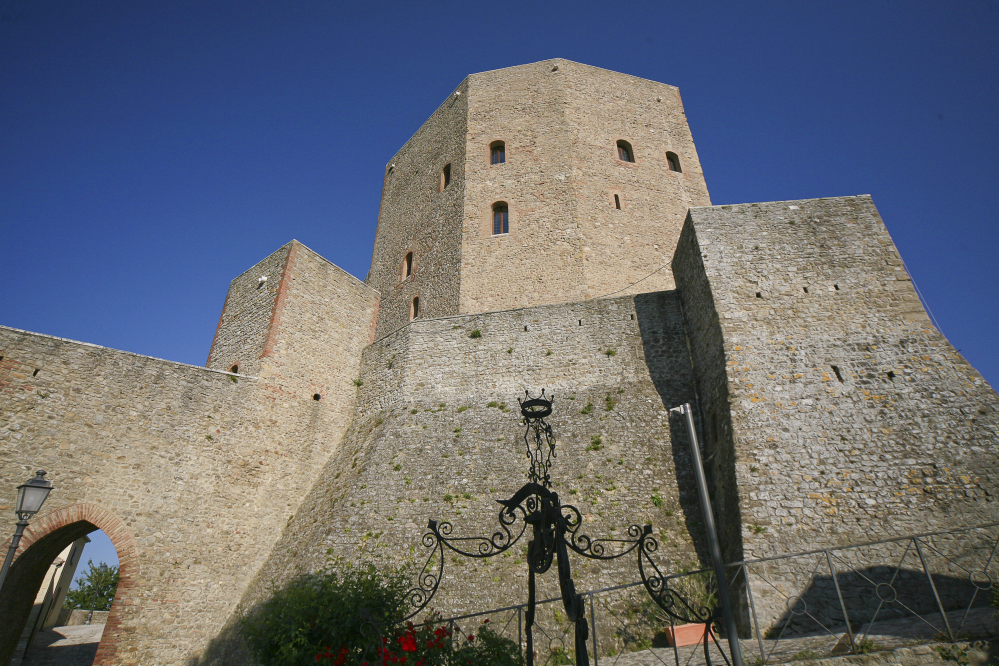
(875, 594)
(664, 342)
(668, 358)
(226, 648)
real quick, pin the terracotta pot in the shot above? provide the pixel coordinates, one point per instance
(685, 634)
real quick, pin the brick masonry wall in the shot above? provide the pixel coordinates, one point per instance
(191, 471)
(247, 314)
(624, 246)
(903, 440)
(559, 121)
(426, 444)
(417, 216)
(541, 259)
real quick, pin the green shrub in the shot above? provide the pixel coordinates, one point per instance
(317, 618)
(475, 334)
(323, 609)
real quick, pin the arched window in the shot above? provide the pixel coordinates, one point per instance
(407, 266)
(674, 162)
(501, 219)
(414, 310)
(445, 176)
(624, 151)
(497, 152)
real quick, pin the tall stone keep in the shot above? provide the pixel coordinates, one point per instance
(597, 172)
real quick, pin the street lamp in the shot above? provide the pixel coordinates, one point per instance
(30, 497)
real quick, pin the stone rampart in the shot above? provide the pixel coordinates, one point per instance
(192, 472)
(437, 434)
(837, 410)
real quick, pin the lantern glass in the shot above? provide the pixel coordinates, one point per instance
(31, 495)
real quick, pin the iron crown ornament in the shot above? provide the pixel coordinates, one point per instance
(538, 438)
(555, 531)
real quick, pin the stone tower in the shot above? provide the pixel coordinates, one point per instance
(597, 172)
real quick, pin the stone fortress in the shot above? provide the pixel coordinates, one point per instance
(548, 226)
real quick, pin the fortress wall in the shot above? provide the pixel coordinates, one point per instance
(416, 217)
(623, 246)
(425, 431)
(202, 468)
(323, 320)
(822, 460)
(246, 316)
(541, 259)
(131, 434)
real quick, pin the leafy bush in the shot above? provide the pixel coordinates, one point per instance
(323, 609)
(351, 617)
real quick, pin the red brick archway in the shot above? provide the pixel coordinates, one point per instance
(43, 541)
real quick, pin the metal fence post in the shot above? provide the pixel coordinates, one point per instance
(593, 628)
(752, 607)
(929, 577)
(520, 627)
(846, 616)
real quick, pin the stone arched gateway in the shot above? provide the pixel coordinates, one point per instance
(42, 542)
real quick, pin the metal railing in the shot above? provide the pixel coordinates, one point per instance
(845, 599)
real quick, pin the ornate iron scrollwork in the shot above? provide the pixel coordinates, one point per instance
(555, 531)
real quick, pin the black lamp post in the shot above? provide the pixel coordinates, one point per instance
(30, 497)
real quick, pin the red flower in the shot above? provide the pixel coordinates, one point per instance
(408, 643)
(471, 638)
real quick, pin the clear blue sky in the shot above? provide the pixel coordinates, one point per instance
(151, 151)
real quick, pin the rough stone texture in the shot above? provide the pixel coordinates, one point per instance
(134, 443)
(903, 441)
(560, 122)
(417, 216)
(424, 431)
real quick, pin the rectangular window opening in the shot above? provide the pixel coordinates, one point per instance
(759, 294)
(836, 287)
(617, 202)
(580, 322)
(835, 369)
(891, 376)
(805, 289)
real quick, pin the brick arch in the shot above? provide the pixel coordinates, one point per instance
(43, 540)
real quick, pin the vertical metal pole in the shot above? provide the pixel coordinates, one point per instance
(520, 627)
(18, 532)
(709, 520)
(943, 613)
(593, 618)
(752, 607)
(846, 616)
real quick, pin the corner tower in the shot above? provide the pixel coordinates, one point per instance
(596, 172)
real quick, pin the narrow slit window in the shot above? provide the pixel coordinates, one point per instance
(674, 162)
(835, 369)
(624, 151)
(497, 152)
(501, 219)
(415, 309)
(408, 269)
(617, 202)
(445, 176)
